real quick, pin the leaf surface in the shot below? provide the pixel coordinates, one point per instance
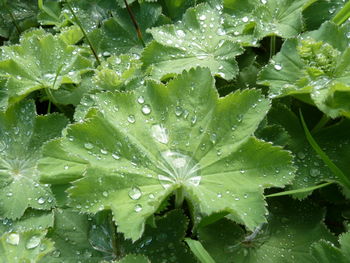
(21, 137)
(141, 147)
(197, 40)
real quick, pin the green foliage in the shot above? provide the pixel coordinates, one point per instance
(174, 131)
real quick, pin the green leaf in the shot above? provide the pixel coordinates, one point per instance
(267, 17)
(17, 16)
(327, 252)
(70, 234)
(29, 246)
(291, 229)
(117, 35)
(21, 137)
(41, 61)
(137, 148)
(199, 251)
(316, 65)
(31, 220)
(134, 259)
(198, 40)
(311, 169)
(166, 238)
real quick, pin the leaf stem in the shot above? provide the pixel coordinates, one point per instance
(342, 15)
(336, 171)
(179, 197)
(323, 121)
(200, 252)
(299, 191)
(136, 25)
(84, 32)
(13, 19)
(272, 46)
(116, 250)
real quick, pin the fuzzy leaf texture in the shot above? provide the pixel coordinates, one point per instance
(135, 149)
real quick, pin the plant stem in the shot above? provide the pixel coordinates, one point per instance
(272, 46)
(323, 121)
(13, 19)
(179, 197)
(116, 250)
(136, 25)
(342, 15)
(298, 191)
(84, 33)
(343, 179)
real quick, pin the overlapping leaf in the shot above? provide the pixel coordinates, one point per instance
(315, 68)
(327, 252)
(140, 147)
(40, 61)
(70, 234)
(198, 39)
(117, 35)
(28, 246)
(266, 17)
(22, 134)
(291, 229)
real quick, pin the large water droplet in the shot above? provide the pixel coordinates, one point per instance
(160, 133)
(33, 242)
(41, 200)
(141, 100)
(135, 193)
(277, 67)
(178, 169)
(13, 239)
(146, 109)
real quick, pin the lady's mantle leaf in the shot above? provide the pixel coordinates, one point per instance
(22, 134)
(291, 229)
(140, 147)
(327, 252)
(70, 234)
(198, 40)
(117, 35)
(163, 243)
(40, 61)
(315, 66)
(28, 246)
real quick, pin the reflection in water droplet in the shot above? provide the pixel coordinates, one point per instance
(178, 169)
(135, 193)
(138, 208)
(131, 118)
(160, 133)
(33, 242)
(146, 109)
(13, 239)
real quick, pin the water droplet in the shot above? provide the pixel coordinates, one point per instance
(13, 239)
(219, 195)
(105, 194)
(66, 167)
(103, 151)
(106, 54)
(169, 41)
(277, 67)
(314, 172)
(33, 242)
(202, 17)
(178, 111)
(213, 138)
(116, 156)
(9, 194)
(141, 100)
(151, 196)
(245, 19)
(242, 171)
(301, 155)
(88, 146)
(131, 119)
(160, 133)
(41, 200)
(135, 193)
(180, 33)
(138, 208)
(263, 2)
(146, 109)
